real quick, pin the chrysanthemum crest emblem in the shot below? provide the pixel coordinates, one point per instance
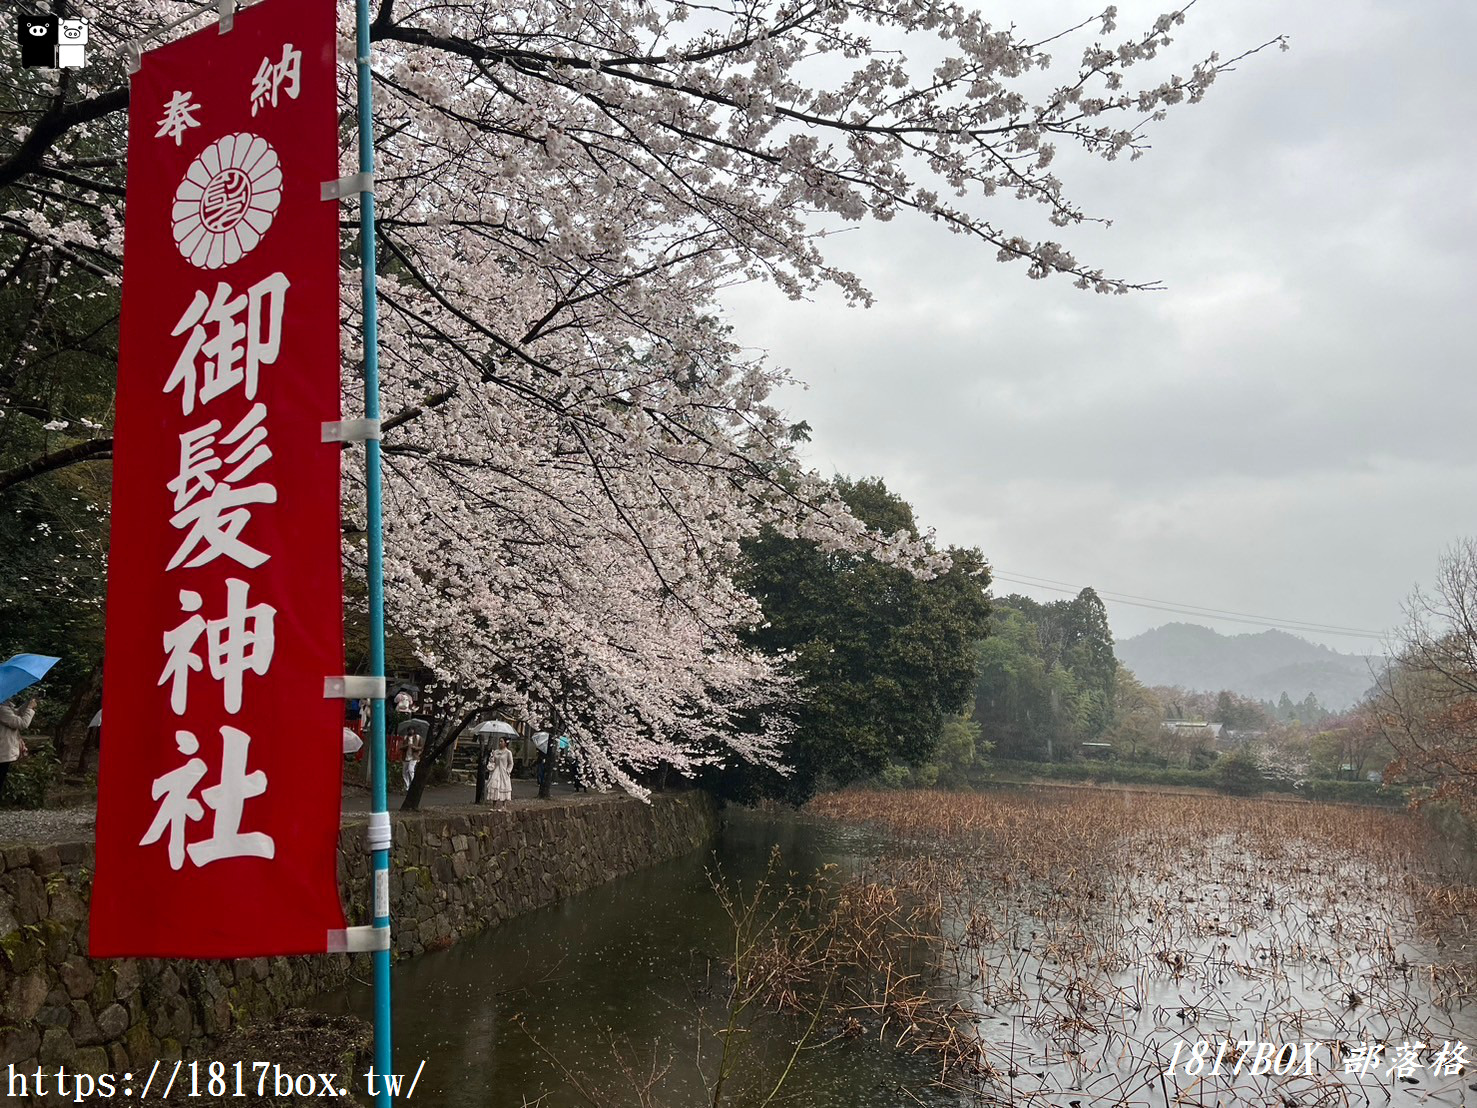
(227, 200)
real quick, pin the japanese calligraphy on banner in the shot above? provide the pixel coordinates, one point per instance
(218, 805)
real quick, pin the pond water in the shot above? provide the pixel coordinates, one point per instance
(610, 986)
(1083, 940)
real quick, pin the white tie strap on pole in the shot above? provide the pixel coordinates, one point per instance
(358, 940)
(351, 430)
(354, 688)
(347, 186)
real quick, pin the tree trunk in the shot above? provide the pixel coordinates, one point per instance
(430, 755)
(551, 756)
(481, 796)
(71, 729)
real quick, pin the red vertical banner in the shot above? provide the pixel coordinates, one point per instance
(219, 786)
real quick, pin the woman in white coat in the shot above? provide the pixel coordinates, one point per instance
(500, 783)
(12, 746)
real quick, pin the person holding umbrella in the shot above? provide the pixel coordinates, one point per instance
(12, 746)
(19, 672)
(501, 763)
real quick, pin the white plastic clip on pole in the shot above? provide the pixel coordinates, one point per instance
(377, 834)
(353, 185)
(354, 688)
(351, 430)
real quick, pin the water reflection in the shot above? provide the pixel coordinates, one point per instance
(611, 989)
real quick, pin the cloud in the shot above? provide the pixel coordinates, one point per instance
(1286, 430)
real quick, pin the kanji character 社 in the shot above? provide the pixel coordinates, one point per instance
(228, 363)
(227, 798)
(178, 806)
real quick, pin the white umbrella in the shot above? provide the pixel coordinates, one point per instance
(96, 721)
(352, 742)
(494, 727)
(541, 740)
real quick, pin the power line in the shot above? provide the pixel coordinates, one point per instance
(1031, 577)
(1192, 610)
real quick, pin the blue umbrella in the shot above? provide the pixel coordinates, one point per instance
(23, 671)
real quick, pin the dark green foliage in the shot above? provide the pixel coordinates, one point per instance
(1240, 713)
(32, 777)
(1286, 710)
(1355, 792)
(1114, 773)
(58, 360)
(881, 655)
(1238, 773)
(1119, 773)
(1047, 676)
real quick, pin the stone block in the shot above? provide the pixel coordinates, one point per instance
(27, 995)
(66, 906)
(125, 978)
(112, 1022)
(83, 1026)
(18, 1045)
(57, 1049)
(54, 1015)
(93, 1060)
(30, 897)
(77, 977)
(74, 854)
(141, 1044)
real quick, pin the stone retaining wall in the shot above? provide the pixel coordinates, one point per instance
(455, 872)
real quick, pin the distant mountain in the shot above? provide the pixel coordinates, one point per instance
(1264, 665)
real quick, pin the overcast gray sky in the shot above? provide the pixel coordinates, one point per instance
(1286, 431)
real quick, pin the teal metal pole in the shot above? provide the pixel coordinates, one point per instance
(379, 809)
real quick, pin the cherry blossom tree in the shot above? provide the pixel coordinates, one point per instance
(1425, 703)
(564, 189)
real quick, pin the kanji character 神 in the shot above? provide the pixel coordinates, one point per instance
(271, 78)
(227, 363)
(178, 117)
(179, 650)
(242, 641)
